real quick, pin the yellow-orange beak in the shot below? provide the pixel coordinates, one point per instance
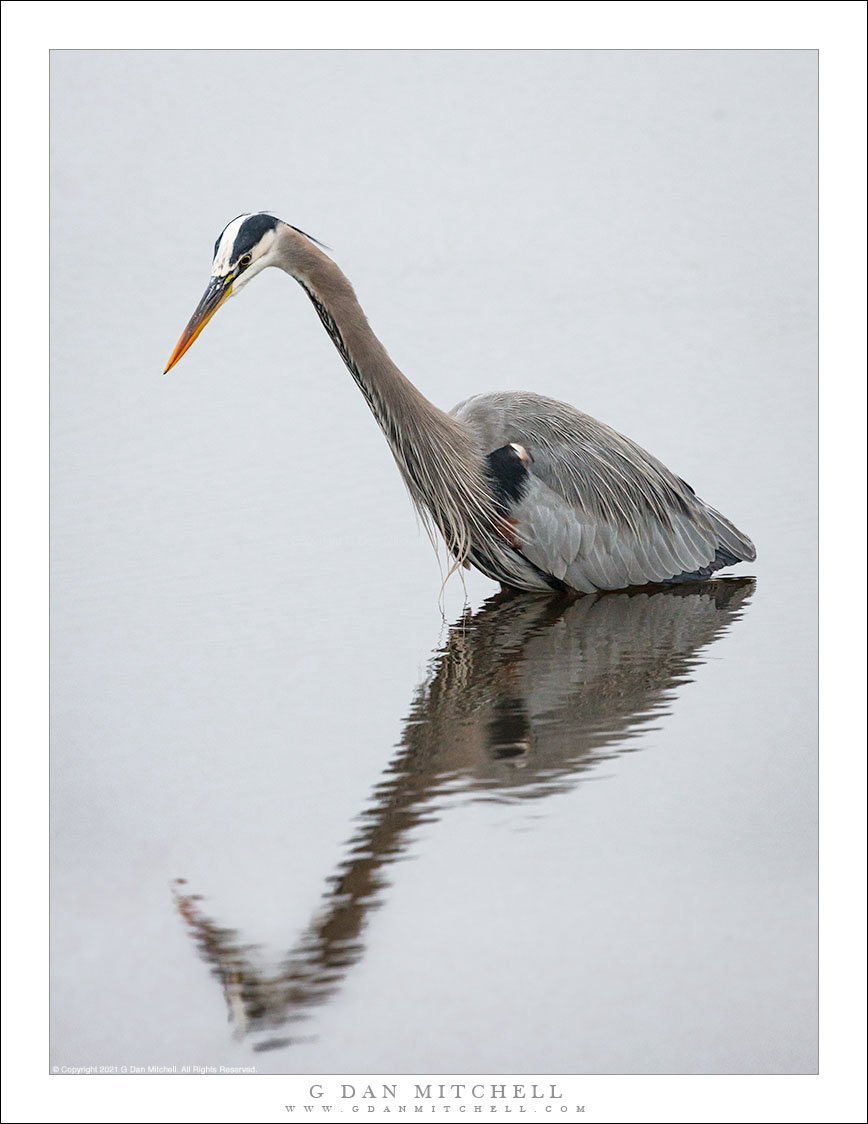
(219, 288)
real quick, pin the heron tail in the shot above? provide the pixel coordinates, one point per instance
(732, 547)
(732, 544)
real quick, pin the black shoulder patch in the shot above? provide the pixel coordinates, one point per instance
(249, 233)
(508, 474)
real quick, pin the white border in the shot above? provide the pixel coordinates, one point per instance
(29, 30)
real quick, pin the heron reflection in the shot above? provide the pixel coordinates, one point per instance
(523, 698)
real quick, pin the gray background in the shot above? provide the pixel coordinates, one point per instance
(243, 608)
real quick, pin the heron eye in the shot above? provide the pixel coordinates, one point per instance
(245, 260)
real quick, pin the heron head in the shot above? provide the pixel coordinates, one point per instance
(246, 246)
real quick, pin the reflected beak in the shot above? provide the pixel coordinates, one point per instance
(219, 288)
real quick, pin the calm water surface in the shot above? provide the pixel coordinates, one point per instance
(524, 699)
(310, 812)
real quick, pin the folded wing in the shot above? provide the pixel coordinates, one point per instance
(597, 511)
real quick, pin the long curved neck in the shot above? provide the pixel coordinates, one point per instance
(437, 456)
(391, 396)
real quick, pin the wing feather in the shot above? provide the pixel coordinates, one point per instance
(598, 511)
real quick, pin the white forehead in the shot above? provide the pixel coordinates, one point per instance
(225, 243)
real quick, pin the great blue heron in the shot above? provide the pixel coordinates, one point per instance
(535, 494)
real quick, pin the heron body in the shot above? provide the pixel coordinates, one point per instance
(531, 491)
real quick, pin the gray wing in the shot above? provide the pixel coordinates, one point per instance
(598, 512)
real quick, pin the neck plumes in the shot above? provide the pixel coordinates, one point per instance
(437, 456)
